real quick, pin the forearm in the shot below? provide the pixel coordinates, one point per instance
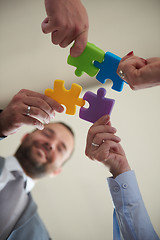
(130, 213)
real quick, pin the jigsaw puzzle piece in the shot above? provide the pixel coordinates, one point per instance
(108, 70)
(98, 105)
(70, 98)
(84, 63)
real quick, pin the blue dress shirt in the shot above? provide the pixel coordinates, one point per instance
(130, 218)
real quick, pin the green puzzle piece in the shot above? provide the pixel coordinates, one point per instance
(84, 63)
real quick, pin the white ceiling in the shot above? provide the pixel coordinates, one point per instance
(77, 204)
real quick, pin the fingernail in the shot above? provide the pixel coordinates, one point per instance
(40, 127)
(118, 138)
(130, 53)
(60, 109)
(47, 121)
(107, 117)
(114, 129)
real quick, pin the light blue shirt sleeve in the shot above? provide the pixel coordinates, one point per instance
(130, 218)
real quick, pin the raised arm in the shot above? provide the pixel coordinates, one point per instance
(130, 219)
(67, 21)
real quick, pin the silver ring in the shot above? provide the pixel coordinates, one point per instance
(28, 110)
(122, 74)
(95, 144)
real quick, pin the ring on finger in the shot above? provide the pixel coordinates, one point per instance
(28, 111)
(95, 144)
(122, 74)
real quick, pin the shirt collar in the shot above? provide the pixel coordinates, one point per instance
(12, 164)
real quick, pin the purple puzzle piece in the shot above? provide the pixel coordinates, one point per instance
(99, 105)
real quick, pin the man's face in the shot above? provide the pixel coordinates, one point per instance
(44, 151)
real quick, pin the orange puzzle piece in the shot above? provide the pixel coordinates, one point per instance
(70, 98)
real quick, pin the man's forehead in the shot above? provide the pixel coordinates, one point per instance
(60, 129)
(56, 126)
(63, 133)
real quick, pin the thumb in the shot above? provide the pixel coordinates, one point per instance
(105, 119)
(130, 54)
(79, 44)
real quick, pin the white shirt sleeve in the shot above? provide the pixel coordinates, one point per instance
(130, 219)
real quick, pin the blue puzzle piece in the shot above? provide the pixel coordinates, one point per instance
(98, 105)
(108, 69)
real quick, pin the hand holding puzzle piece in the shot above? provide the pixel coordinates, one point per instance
(84, 63)
(99, 105)
(92, 60)
(70, 98)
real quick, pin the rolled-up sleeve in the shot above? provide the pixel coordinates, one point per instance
(130, 218)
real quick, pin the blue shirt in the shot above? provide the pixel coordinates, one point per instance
(130, 218)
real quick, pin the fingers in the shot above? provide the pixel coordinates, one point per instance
(64, 37)
(130, 66)
(79, 44)
(67, 21)
(46, 26)
(28, 107)
(100, 138)
(58, 36)
(41, 106)
(103, 146)
(34, 117)
(130, 54)
(37, 113)
(30, 121)
(103, 120)
(99, 127)
(103, 152)
(39, 100)
(100, 133)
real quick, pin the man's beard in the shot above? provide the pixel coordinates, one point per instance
(29, 161)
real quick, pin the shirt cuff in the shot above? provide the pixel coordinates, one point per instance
(2, 137)
(124, 189)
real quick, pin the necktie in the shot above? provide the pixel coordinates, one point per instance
(13, 200)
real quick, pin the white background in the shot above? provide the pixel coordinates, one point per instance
(77, 204)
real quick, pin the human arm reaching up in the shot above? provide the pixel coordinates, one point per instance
(130, 220)
(67, 21)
